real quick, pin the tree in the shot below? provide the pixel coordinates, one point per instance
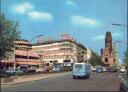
(126, 57)
(95, 59)
(8, 33)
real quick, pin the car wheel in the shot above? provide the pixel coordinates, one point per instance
(87, 76)
(121, 90)
(84, 77)
(74, 77)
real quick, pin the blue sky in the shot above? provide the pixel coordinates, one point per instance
(85, 20)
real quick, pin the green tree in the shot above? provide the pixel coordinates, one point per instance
(8, 33)
(95, 59)
(126, 57)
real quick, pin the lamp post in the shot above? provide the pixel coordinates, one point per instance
(123, 26)
(126, 24)
(14, 59)
(30, 44)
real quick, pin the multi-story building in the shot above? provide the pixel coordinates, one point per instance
(21, 55)
(61, 51)
(24, 54)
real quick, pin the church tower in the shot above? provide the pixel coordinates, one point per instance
(108, 42)
(107, 53)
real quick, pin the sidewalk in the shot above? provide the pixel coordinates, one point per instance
(29, 78)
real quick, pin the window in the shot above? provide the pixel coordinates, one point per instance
(78, 66)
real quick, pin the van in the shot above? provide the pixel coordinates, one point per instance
(81, 70)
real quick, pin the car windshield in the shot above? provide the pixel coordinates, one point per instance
(78, 66)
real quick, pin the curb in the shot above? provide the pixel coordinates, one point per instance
(46, 77)
(26, 81)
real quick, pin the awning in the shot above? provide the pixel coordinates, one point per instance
(26, 53)
(29, 63)
(7, 61)
(20, 62)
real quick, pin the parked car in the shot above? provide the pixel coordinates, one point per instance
(24, 68)
(56, 69)
(99, 70)
(124, 83)
(93, 69)
(81, 70)
(14, 71)
(105, 69)
(40, 70)
(122, 69)
(112, 69)
(47, 68)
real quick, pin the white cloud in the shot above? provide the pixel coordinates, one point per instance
(41, 16)
(100, 37)
(23, 8)
(69, 2)
(80, 20)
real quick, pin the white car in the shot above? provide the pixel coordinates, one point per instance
(122, 70)
(93, 69)
(12, 71)
(56, 69)
(39, 70)
(105, 69)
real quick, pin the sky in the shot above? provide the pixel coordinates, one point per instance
(85, 20)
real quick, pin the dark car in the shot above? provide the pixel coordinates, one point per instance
(112, 69)
(124, 84)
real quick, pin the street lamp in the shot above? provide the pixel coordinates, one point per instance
(124, 25)
(29, 45)
(14, 66)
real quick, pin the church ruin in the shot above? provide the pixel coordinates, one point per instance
(107, 54)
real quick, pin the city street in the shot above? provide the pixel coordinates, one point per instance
(45, 45)
(97, 82)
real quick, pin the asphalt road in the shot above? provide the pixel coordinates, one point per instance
(96, 82)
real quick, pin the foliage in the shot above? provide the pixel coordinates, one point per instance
(126, 57)
(8, 33)
(95, 59)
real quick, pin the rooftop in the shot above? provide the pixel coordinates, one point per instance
(58, 41)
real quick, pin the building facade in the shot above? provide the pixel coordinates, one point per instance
(60, 51)
(22, 54)
(88, 53)
(107, 54)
